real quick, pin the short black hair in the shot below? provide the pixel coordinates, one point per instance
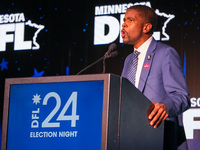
(148, 14)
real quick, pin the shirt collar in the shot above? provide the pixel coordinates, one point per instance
(144, 47)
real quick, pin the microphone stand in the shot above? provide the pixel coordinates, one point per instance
(108, 54)
(90, 65)
(104, 65)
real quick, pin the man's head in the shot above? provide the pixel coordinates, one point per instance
(139, 24)
(148, 14)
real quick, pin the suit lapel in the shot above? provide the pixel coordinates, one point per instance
(147, 65)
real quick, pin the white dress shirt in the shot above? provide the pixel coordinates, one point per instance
(143, 50)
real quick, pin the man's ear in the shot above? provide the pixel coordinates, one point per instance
(147, 27)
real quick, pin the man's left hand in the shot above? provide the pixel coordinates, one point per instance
(157, 114)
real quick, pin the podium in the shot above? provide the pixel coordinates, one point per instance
(93, 112)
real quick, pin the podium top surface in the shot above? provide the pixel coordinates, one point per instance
(48, 79)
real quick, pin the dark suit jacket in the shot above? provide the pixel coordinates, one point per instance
(162, 81)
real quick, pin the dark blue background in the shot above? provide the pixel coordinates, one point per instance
(66, 43)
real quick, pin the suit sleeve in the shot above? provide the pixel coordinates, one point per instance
(174, 83)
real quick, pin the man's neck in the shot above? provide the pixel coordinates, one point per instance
(142, 40)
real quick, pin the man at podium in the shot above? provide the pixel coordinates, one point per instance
(155, 69)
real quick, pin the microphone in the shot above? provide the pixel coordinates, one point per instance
(112, 52)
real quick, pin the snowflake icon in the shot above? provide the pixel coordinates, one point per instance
(36, 99)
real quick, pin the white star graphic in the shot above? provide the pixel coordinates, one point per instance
(36, 99)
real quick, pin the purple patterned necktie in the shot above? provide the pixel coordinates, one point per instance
(133, 67)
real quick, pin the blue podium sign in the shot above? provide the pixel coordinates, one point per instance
(85, 112)
(57, 115)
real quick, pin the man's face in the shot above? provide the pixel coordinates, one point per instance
(132, 28)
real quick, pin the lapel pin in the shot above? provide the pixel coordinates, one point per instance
(149, 57)
(146, 65)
